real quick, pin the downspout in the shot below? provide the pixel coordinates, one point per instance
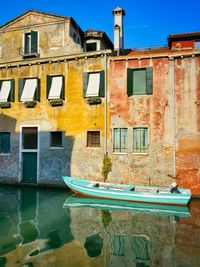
(105, 105)
(173, 114)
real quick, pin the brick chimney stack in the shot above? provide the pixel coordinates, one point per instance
(119, 14)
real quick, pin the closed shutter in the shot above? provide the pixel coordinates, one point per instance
(34, 42)
(149, 82)
(119, 245)
(139, 82)
(12, 91)
(62, 94)
(21, 82)
(129, 82)
(49, 81)
(102, 84)
(37, 91)
(85, 83)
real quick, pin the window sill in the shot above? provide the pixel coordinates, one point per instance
(56, 147)
(93, 147)
(30, 104)
(5, 154)
(5, 105)
(56, 102)
(94, 100)
(140, 154)
(120, 153)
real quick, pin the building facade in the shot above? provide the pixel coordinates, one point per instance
(154, 106)
(68, 97)
(52, 98)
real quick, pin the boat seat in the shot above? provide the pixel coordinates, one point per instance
(155, 190)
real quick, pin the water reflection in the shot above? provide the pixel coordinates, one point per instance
(36, 231)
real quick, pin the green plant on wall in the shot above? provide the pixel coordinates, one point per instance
(107, 167)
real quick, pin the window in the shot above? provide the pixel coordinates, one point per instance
(91, 47)
(4, 143)
(140, 140)
(197, 44)
(55, 87)
(140, 81)
(56, 139)
(119, 245)
(93, 139)
(7, 91)
(28, 89)
(29, 137)
(120, 140)
(93, 84)
(31, 43)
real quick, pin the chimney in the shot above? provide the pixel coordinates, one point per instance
(119, 14)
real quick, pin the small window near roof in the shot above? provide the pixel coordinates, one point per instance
(30, 43)
(197, 44)
(93, 139)
(4, 142)
(56, 139)
(91, 47)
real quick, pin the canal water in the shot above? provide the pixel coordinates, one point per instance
(52, 228)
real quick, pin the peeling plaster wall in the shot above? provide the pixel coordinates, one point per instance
(156, 112)
(74, 119)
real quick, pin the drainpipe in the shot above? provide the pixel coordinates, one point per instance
(105, 105)
(173, 114)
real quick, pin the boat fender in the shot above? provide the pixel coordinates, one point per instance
(174, 188)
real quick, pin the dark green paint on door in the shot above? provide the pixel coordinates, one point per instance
(29, 169)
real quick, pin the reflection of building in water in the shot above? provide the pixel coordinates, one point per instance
(129, 239)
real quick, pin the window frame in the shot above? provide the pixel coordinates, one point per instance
(101, 83)
(21, 84)
(11, 96)
(95, 144)
(130, 80)
(49, 79)
(120, 149)
(9, 141)
(32, 50)
(141, 150)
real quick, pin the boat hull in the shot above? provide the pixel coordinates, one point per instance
(86, 188)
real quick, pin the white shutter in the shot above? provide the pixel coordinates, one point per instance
(29, 90)
(93, 84)
(56, 87)
(5, 90)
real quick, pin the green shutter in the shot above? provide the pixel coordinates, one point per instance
(4, 143)
(37, 91)
(102, 84)
(48, 86)
(62, 94)
(21, 83)
(12, 91)
(119, 247)
(85, 83)
(34, 42)
(149, 80)
(129, 82)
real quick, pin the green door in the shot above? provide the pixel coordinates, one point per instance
(29, 167)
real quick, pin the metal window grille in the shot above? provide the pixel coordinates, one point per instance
(93, 139)
(56, 139)
(29, 137)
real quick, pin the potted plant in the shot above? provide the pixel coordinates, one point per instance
(30, 104)
(94, 100)
(5, 104)
(56, 102)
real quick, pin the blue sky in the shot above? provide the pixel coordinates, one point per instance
(146, 24)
